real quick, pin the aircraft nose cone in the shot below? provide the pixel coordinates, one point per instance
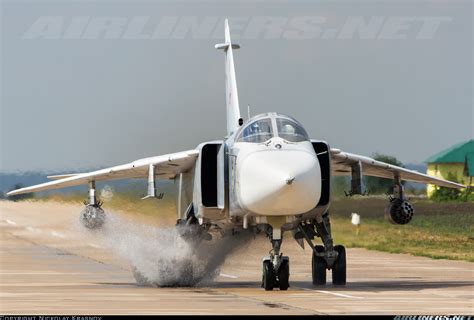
(279, 183)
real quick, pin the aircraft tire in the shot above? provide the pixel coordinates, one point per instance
(268, 277)
(318, 267)
(339, 268)
(284, 275)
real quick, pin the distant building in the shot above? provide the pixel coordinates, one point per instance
(456, 161)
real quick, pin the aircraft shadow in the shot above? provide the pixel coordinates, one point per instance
(372, 286)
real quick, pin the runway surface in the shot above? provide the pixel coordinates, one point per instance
(49, 266)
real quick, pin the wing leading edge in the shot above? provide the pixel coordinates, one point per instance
(342, 162)
(166, 167)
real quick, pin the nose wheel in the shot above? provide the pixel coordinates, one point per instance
(268, 277)
(276, 278)
(276, 269)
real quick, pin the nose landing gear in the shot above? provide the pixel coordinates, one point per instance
(276, 268)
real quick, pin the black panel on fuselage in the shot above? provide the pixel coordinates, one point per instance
(322, 150)
(209, 174)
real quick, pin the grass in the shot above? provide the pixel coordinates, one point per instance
(438, 230)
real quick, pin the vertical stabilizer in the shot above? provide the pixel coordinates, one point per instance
(232, 97)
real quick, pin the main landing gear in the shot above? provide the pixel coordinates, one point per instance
(276, 268)
(324, 257)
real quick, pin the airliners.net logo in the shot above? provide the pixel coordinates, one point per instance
(433, 318)
(255, 27)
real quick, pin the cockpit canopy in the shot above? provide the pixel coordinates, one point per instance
(264, 127)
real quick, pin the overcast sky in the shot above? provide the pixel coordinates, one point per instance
(98, 83)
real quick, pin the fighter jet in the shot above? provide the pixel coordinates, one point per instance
(266, 175)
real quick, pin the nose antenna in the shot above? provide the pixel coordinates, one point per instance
(248, 111)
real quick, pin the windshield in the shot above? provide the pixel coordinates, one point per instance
(257, 131)
(291, 131)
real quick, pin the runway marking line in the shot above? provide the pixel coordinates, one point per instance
(228, 276)
(342, 295)
(338, 294)
(57, 234)
(32, 229)
(39, 273)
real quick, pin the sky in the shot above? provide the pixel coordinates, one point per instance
(87, 84)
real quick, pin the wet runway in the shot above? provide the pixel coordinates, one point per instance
(49, 267)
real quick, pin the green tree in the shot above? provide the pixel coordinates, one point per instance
(376, 185)
(442, 194)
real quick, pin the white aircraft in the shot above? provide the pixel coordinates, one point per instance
(265, 175)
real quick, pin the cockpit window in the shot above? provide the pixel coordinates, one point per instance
(291, 131)
(257, 131)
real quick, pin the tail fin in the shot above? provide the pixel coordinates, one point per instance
(232, 97)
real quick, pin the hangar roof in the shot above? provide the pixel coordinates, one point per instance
(457, 154)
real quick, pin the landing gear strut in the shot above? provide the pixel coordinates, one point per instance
(276, 267)
(325, 257)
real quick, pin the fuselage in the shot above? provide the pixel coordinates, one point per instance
(273, 168)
